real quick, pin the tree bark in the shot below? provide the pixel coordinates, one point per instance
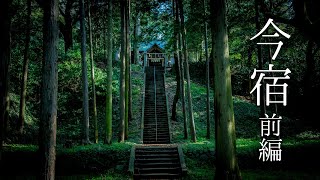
(260, 61)
(181, 60)
(104, 41)
(249, 65)
(48, 113)
(186, 63)
(4, 64)
(127, 73)
(85, 105)
(96, 131)
(23, 90)
(108, 139)
(130, 93)
(177, 95)
(68, 40)
(308, 92)
(122, 102)
(226, 162)
(207, 68)
(130, 61)
(136, 36)
(176, 66)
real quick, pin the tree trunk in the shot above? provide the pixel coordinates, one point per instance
(136, 36)
(7, 106)
(122, 102)
(96, 39)
(68, 40)
(177, 95)
(176, 66)
(260, 62)
(127, 73)
(249, 65)
(96, 131)
(108, 139)
(130, 93)
(181, 60)
(130, 61)
(207, 68)
(226, 162)
(186, 63)
(85, 105)
(48, 113)
(104, 41)
(308, 81)
(23, 90)
(4, 64)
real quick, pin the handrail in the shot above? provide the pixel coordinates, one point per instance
(143, 103)
(155, 101)
(167, 104)
(183, 166)
(131, 161)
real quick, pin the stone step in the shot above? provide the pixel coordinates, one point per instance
(156, 151)
(156, 176)
(171, 170)
(156, 142)
(155, 165)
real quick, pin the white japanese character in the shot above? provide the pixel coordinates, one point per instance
(268, 92)
(270, 150)
(280, 43)
(270, 126)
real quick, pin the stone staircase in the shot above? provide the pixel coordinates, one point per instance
(158, 162)
(156, 158)
(156, 127)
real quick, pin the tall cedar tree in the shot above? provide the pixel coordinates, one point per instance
(96, 132)
(226, 166)
(85, 103)
(260, 60)
(308, 90)
(109, 77)
(182, 72)
(49, 90)
(178, 68)
(127, 69)
(136, 35)
(23, 90)
(66, 27)
(208, 66)
(122, 87)
(4, 63)
(176, 65)
(186, 66)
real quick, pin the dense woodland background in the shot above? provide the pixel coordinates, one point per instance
(88, 114)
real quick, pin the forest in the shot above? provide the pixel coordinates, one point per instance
(159, 89)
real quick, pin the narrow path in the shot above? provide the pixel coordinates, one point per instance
(156, 158)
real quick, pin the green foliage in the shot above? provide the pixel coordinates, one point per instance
(198, 170)
(110, 175)
(204, 145)
(309, 135)
(117, 147)
(277, 175)
(21, 147)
